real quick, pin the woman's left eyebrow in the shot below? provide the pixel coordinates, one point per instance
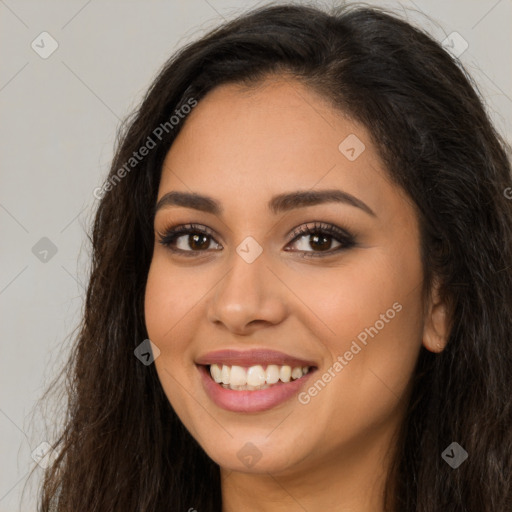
(278, 204)
(304, 198)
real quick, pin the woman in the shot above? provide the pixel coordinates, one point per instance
(308, 218)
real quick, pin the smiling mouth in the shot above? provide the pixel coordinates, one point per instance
(256, 377)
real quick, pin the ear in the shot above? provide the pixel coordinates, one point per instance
(436, 326)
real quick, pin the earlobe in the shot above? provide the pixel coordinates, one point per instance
(436, 328)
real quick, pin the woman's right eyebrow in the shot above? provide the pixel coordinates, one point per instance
(278, 204)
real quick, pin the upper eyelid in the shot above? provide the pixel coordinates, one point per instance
(184, 229)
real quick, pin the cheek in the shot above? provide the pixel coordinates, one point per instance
(352, 297)
(169, 317)
(376, 315)
(170, 297)
(375, 297)
(158, 303)
(174, 311)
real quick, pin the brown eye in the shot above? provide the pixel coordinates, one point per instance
(196, 242)
(319, 238)
(188, 239)
(316, 242)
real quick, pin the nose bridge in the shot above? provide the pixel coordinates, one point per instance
(248, 291)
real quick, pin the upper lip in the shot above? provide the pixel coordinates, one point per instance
(251, 358)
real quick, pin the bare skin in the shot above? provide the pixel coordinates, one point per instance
(242, 147)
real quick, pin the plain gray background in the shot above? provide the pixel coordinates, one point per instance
(59, 120)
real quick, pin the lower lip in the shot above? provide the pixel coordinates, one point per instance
(250, 401)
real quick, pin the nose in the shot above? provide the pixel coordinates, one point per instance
(248, 297)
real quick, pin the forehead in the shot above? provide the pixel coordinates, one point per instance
(241, 144)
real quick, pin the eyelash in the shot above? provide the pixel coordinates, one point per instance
(340, 235)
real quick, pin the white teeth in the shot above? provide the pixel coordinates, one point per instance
(225, 375)
(216, 373)
(285, 373)
(272, 374)
(254, 377)
(297, 373)
(238, 377)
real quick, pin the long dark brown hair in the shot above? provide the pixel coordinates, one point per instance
(123, 448)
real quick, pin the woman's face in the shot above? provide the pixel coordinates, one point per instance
(343, 300)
